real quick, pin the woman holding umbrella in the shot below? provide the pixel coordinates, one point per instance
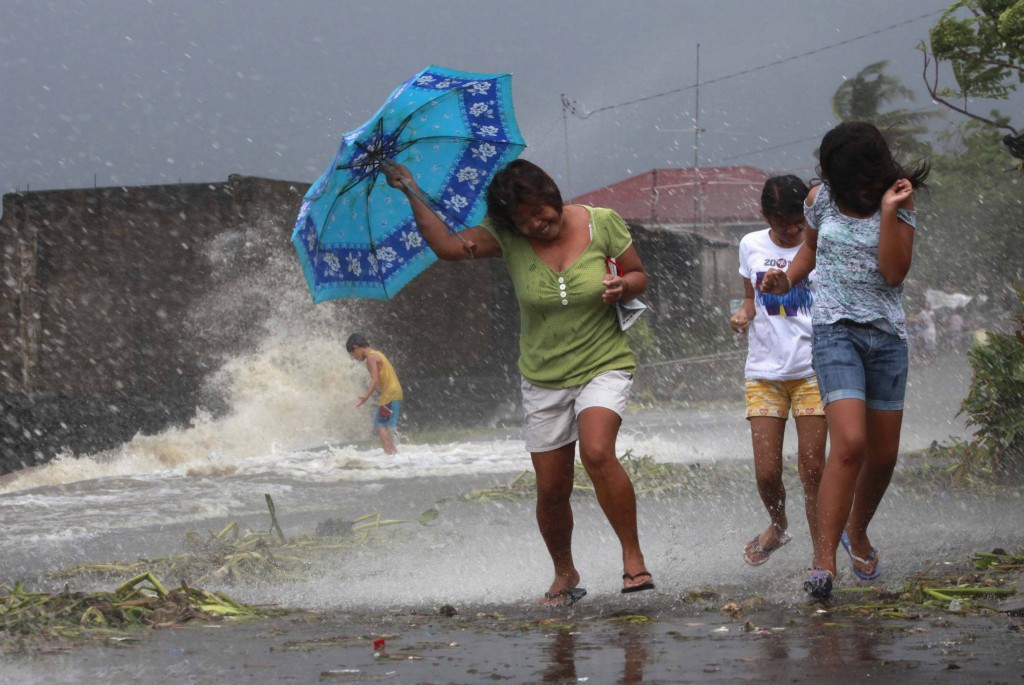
(575, 360)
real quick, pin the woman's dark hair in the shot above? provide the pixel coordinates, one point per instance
(855, 161)
(520, 183)
(355, 340)
(783, 197)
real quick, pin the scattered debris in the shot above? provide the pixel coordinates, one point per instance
(995, 575)
(142, 601)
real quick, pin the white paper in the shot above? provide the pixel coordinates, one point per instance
(628, 312)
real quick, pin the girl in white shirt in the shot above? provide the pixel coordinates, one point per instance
(779, 375)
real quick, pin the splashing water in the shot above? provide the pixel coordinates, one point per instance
(286, 397)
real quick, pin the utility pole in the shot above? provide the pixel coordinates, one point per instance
(565, 129)
(698, 195)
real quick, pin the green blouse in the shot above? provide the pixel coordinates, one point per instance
(568, 334)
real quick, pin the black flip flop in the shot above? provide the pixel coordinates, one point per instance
(570, 596)
(649, 585)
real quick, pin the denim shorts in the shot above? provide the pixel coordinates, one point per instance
(550, 414)
(861, 362)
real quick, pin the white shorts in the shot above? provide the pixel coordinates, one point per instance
(550, 419)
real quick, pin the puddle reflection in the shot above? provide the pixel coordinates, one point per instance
(634, 640)
(632, 643)
(820, 651)
(833, 649)
(560, 656)
(629, 653)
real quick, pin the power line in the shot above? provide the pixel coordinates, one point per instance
(750, 153)
(773, 147)
(584, 114)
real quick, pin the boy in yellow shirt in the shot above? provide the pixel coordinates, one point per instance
(383, 379)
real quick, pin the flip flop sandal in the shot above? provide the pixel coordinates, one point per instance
(872, 557)
(649, 585)
(569, 596)
(757, 555)
(818, 583)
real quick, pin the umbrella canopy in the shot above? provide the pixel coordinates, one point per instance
(355, 235)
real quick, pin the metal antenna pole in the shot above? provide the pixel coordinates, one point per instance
(698, 197)
(565, 130)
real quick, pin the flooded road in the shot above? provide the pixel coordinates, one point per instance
(486, 560)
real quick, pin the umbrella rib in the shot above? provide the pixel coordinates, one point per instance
(369, 233)
(448, 94)
(373, 158)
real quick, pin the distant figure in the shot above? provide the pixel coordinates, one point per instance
(574, 357)
(922, 332)
(779, 375)
(861, 238)
(384, 380)
(957, 329)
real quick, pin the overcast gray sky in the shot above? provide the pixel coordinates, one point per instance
(135, 92)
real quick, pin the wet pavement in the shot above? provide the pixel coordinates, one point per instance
(605, 642)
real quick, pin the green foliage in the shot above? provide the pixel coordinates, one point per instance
(985, 49)
(862, 98)
(994, 402)
(983, 41)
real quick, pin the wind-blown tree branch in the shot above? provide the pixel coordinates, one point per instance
(986, 51)
(862, 98)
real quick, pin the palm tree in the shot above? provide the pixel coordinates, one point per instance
(862, 97)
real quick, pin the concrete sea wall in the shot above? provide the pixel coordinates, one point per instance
(109, 325)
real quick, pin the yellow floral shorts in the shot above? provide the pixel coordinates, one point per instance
(775, 398)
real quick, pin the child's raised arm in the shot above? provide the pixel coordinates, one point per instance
(896, 237)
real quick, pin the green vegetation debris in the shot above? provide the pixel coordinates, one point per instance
(142, 601)
(995, 576)
(231, 556)
(224, 556)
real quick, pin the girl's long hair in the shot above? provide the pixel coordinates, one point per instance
(858, 166)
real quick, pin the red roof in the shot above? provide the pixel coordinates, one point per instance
(666, 196)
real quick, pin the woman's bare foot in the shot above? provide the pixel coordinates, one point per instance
(635, 576)
(637, 582)
(558, 593)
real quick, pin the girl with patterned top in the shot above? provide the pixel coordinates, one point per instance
(778, 376)
(861, 240)
(575, 360)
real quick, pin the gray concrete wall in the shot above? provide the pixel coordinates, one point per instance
(99, 291)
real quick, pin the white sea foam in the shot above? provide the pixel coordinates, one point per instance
(285, 397)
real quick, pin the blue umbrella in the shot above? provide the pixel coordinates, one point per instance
(355, 235)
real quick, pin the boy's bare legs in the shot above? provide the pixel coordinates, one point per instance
(599, 428)
(766, 434)
(387, 440)
(881, 452)
(812, 433)
(554, 471)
